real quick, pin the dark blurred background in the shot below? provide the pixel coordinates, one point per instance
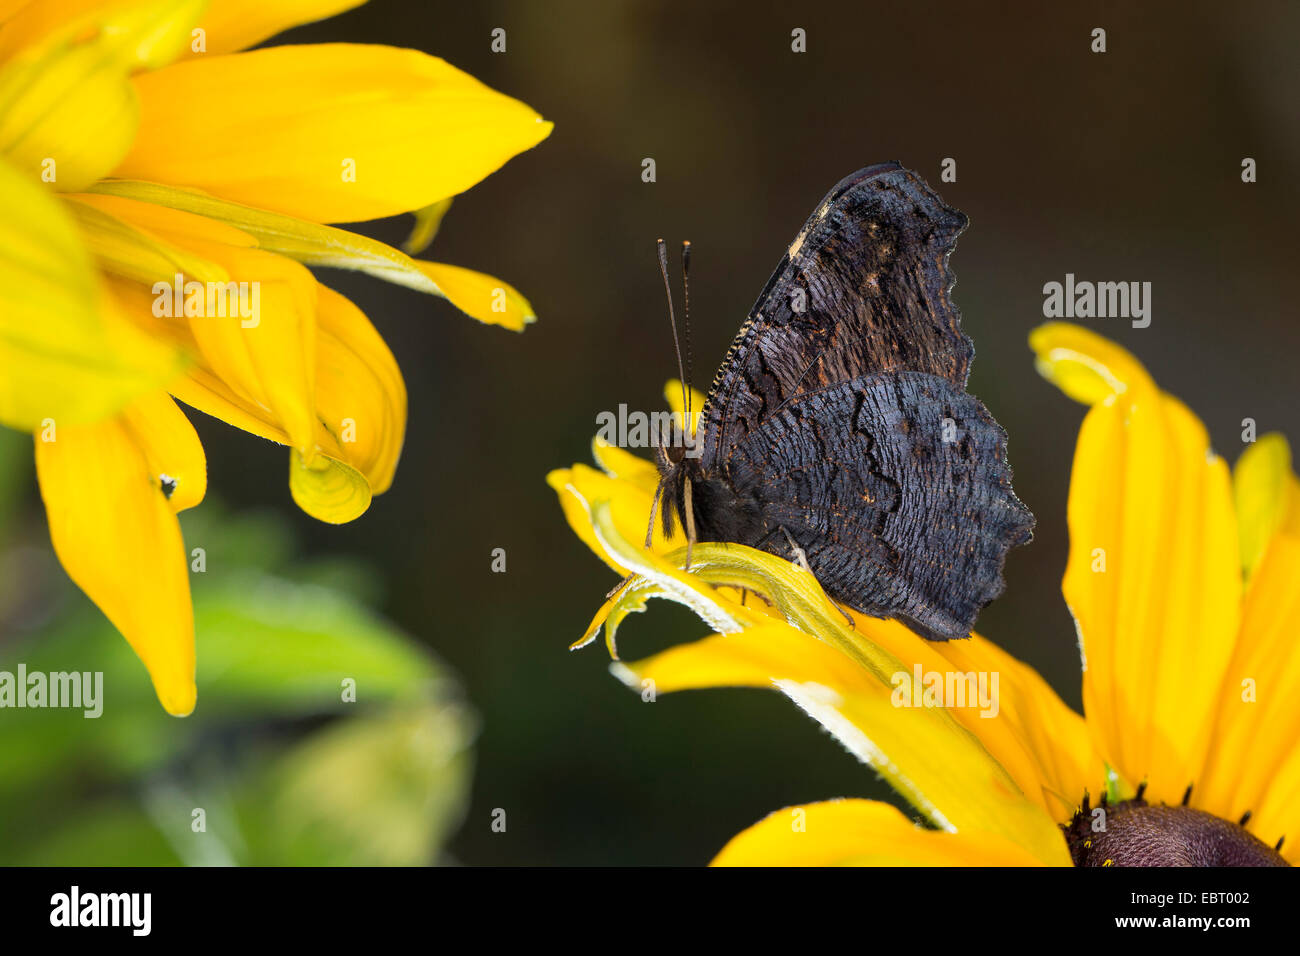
(1117, 166)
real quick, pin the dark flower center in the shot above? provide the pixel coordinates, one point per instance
(1135, 833)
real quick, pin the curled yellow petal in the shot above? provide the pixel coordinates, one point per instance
(1084, 365)
(327, 489)
(118, 538)
(862, 833)
(389, 130)
(68, 354)
(360, 395)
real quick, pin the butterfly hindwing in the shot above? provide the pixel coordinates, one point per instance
(897, 489)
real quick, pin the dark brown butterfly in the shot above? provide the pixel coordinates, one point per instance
(838, 430)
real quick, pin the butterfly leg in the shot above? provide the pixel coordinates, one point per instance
(800, 556)
(801, 559)
(690, 523)
(853, 625)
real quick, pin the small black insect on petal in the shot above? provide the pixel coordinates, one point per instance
(167, 484)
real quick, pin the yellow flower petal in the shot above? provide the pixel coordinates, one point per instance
(673, 395)
(841, 678)
(118, 538)
(480, 296)
(1154, 583)
(1083, 364)
(627, 467)
(171, 449)
(389, 130)
(578, 486)
(427, 221)
(328, 489)
(360, 395)
(232, 25)
(65, 96)
(1043, 744)
(69, 356)
(123, 250)
(1264, 491)
(1253, 763)
(862, 833)
(360, 410)
(265, 350)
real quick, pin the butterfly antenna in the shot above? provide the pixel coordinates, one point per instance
(672, 317)
(686, 329)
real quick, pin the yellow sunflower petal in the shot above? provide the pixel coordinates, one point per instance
(67, 107)
(841, 678)
(1045, 746)
(171, 449)
(480, 296)
(69, 356)
(862, 833)
(924, 753)
(390, 130)
(1153, 577)
(1253, 763)
(118, 538)
(328, 489)
(1083, 364)
(123, 250)
(360, 411)
(1264, 492)
(625, 466)
(360, 395)
(251, 314)
(579, 486)
(673, 395)
(260, 337)
(427, 221)
(232, 25)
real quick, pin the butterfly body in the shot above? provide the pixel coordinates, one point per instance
(839, 424)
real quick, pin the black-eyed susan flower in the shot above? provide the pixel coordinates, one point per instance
(1182, 579)
(163, 196)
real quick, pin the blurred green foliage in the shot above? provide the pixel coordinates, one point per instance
(282, 768)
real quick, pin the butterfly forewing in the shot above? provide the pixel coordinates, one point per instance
(863, 288)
